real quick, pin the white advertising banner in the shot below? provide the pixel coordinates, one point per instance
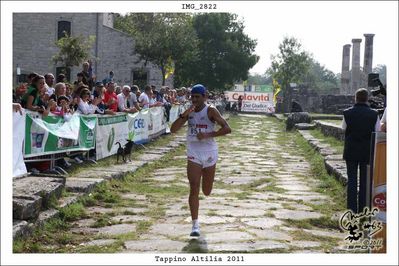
(110, 129)
(18, 138)
(174, 113)
(258, 102)
(138, 126)
(157, 123)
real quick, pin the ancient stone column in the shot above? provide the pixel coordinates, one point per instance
(368, 57)
(345, 77)
(355, 74)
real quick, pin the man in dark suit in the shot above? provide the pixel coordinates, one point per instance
(359, 122)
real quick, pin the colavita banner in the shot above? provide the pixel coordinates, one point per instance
(379, 191)
(258, 102)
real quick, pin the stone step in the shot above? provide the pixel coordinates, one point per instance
(85, 185)
(33, 193)
(337, 168)
(305, 126)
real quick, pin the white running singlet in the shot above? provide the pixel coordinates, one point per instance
(199, 122)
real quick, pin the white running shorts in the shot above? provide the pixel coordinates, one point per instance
(203, 158)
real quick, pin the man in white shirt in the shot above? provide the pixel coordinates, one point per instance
(133, 97)
(144, 98)
(49, 79)
(124, 101)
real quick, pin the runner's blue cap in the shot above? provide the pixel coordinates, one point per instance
(198, 88)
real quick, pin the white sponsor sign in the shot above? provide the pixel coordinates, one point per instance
(259, 102)
(138, 126)
(18, 138)
(110, 129)
(157, 123)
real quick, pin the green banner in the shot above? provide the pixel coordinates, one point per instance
(263, 88)
(54, 134)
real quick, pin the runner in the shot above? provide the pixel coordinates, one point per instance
(202, 150)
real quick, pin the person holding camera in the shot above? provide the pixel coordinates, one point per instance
(358, 123)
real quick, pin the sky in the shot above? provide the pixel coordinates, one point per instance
(322, 28)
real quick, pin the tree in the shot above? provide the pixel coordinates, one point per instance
(260, 79)
(289, 66)
(225, 52)
(73, 50)
(161, 38)
(320, 78)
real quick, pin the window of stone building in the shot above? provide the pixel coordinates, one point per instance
(140, 78)
(64, 27)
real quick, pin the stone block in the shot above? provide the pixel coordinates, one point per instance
(337, 169)
(26, 207)
(295, 118)
(44, 187)
(305, 126)
(85, 185)
(20, 228)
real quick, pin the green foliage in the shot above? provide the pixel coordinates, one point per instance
(225, 51)
(320, 78)
(257, 79)
(72, 212)
(162, 38)
(289, 66)
(73, 50)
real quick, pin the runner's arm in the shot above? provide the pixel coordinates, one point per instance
(181, 120)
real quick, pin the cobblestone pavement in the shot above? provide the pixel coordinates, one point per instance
(264, 200)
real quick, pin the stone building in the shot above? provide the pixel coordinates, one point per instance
(35, 34)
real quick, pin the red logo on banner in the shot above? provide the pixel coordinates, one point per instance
(379, 201)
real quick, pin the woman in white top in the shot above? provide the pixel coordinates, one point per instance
(84, 107)
(202, 150)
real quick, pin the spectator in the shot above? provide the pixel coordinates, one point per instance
(79, 79)
(31, 76)
(109, 78)
(240, 103)
(117, 89)
(84, 105)
(60, 90)
(49, 78)
(110, 98)
(87, 74)
(19, 92)
(124, 99)
(359, 122)
(133, 97)
(61, 78)
(144, 98)
(62, 108)
(68, 91)
(76, 95)
(32, 100)
(99, 94)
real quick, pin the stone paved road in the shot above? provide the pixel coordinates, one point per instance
(264, 200)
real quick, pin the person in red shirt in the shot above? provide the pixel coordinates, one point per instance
(110, 97)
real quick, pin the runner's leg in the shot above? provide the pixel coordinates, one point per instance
(194, 177)
(208, 175)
